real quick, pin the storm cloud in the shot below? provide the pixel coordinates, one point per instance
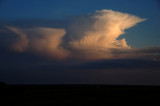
(89, 37)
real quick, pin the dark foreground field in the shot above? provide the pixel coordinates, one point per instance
(78, 95)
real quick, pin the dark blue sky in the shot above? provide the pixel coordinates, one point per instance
(143, 35)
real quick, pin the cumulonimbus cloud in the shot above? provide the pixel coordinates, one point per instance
(94, 35)
(40, 41)
(88, 37)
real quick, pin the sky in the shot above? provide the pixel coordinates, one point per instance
(80, 42)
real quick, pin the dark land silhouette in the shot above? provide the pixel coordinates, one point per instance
(78, 94)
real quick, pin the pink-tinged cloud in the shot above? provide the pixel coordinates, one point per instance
(88, 37)
(93, 35)
(20, 42)
(40, 41)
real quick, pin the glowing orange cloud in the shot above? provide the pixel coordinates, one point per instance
(90, 37)
(40, 41)
(95, 34)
